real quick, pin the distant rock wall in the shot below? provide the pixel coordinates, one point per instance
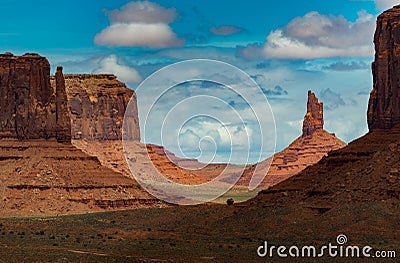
(384, 102)
(97, 104)
(28, 104)
(314, 118)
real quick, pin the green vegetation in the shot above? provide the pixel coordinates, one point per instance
(205, 233)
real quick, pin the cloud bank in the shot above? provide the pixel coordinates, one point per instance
(315, 35)
(341, 66)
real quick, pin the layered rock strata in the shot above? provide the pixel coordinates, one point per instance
(43, 177)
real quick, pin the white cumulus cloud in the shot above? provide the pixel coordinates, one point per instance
(145, 12)
(316, 35)
(124, 73)
(155, 35)
(140, 24)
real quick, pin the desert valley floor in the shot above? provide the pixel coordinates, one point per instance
(304, 210)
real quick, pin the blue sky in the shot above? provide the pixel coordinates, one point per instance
(287, 47)
(44, 24)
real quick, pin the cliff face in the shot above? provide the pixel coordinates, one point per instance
(97, 106)
(384, 102)
(28, 104)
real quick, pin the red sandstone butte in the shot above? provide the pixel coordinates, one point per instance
(30, 108)
(42, 173)
(384, 102)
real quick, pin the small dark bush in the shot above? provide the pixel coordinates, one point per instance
(230, 201)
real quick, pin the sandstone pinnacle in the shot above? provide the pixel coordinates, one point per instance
(314, 118)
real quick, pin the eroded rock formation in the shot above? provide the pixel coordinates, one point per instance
(306, 150)
(39, 175)
(384, 102)
(97, 106)
(28, 103)
(63, 118)
(367, 170)
(314, 118)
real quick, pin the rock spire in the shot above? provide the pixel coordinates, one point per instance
(314, 118)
